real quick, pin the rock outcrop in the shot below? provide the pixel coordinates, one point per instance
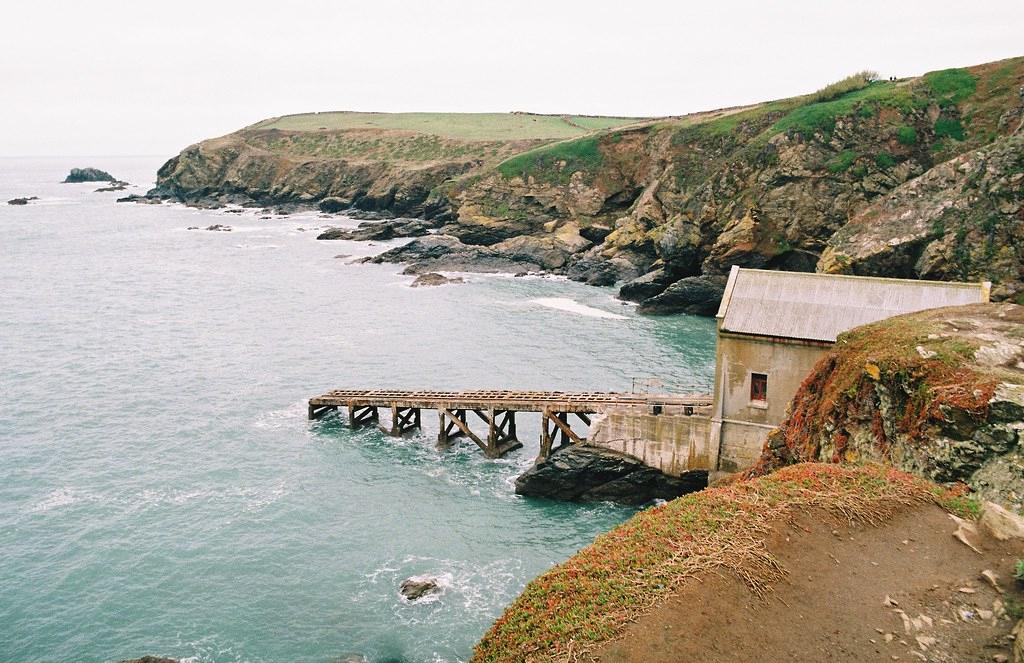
(939, 393)
(963, 220)
(590, 474)
(22, 201)
(88, 175)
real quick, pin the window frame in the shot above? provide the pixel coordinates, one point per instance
(762, 379)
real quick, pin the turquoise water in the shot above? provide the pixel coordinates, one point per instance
(161, 491)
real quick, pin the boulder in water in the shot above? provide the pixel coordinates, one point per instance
(433, 278)
(88, 175)
(418, 587)
(21, 201)
(151, 659)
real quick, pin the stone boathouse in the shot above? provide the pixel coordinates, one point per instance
(772, 328)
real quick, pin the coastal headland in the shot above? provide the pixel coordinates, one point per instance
(911, 178)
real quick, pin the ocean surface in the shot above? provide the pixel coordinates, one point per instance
(161, 491)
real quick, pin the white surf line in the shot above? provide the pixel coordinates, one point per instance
(572, 306)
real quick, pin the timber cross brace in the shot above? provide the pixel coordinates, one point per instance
(495, 408)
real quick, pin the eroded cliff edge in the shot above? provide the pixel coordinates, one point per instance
(919, 178)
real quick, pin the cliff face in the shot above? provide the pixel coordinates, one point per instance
(895, 178)
(771, 186)
(938, 393)
(962, 220)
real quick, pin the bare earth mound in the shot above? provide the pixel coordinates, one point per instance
(832, 604)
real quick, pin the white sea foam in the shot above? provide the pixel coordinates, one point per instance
(63, 497)
(572, 306)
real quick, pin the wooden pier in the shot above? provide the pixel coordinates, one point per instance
(495, 408)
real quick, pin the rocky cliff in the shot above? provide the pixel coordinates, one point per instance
(938, 393)
(918, 177)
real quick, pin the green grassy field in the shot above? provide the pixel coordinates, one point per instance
(459, 126)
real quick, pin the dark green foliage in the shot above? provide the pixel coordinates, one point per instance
(545, 163)
(859, 171)
(842, 162)
(949, 128)
(884, 161)
(906, 135)
(951, 86)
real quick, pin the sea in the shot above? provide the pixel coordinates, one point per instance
(161, 489)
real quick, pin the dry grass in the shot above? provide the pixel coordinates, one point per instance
(575, 607)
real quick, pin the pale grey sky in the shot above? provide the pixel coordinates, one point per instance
(105, 78)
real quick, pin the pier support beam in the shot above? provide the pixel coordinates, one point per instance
(403, 420)
(321, 411)
(555, 426)
(449, 431)
(362, 415)
(501, 432)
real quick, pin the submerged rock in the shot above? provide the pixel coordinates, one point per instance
(416, 588)
(699, 295)
(88, 175)
(589, 474)
(151, 659)
(21, 201)
(116, 185)
(432, 279)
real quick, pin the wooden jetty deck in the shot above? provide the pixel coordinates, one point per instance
(496, 408)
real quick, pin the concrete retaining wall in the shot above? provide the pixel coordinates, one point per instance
(671, 441)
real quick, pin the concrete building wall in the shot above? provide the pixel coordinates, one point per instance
(739, 423)
(671, 441)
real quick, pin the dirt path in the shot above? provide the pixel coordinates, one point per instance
(831, 606)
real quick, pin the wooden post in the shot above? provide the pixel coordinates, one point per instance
(442, 430)
(545, 436)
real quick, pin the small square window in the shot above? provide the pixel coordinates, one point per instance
(759, 387)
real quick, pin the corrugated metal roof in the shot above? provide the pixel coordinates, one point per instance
(819, 307)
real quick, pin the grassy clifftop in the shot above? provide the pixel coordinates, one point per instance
(457, 126)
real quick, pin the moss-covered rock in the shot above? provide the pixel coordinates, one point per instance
(939, 393)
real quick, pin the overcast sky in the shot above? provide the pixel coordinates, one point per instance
(144, 77)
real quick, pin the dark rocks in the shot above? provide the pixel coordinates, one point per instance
(432, 279)
(589, 474)
(380, 230)
(333, 204)
(218, 227)
(441, 253)
(151, 659)
(116, 185)
(21, 201)
(88, 175)
(595, 233)
(142, 200)
(418, 587)
(698, 295)
(649, 285)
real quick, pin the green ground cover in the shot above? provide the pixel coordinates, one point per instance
(461, 126)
